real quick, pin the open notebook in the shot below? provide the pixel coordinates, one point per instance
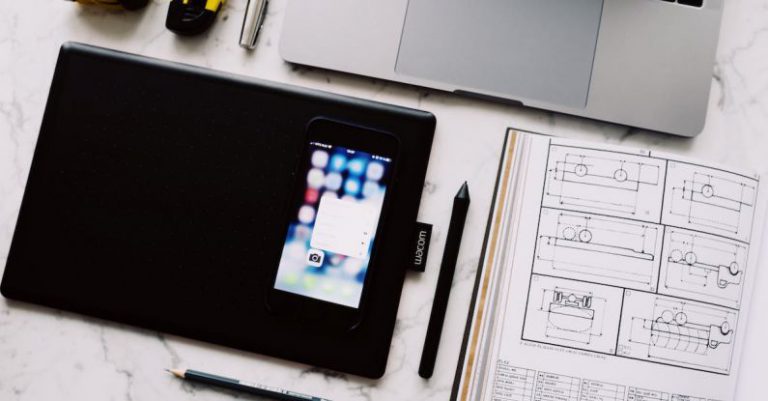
(611, 274)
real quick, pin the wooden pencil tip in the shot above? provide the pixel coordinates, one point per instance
(176, 372)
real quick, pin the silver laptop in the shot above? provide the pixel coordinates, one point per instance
(642, 63)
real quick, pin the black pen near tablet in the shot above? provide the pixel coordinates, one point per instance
(237, 385)
(444, 280)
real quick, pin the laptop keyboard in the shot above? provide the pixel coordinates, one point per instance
(692, 3)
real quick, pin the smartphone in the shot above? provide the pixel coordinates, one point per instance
(334, 223)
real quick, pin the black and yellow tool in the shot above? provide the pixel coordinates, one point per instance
(117, 4)
(190, 17)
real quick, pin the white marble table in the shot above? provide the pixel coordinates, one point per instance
(47, 354)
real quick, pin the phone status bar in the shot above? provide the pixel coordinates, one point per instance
(349, 151)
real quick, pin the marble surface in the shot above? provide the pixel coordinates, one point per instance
(47, 354)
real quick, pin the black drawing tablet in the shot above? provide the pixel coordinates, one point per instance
(155, 198)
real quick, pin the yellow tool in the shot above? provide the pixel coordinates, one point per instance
(190, 17)
(117, 4)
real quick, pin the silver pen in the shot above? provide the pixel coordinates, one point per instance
(254, 18)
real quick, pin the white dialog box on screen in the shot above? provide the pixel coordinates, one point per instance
(344, 227)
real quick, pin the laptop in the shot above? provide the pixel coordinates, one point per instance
(642, 63)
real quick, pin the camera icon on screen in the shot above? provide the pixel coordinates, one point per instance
(315, 257)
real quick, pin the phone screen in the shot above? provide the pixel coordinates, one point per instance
(333, 223)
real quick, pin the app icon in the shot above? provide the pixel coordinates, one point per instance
(320, 158)
(315, 257)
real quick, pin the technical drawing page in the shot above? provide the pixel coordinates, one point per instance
(604, 182)
(702, 266)
(598, 248)
(710, 200)
(631, 277)
(573, 313)
(677, 332)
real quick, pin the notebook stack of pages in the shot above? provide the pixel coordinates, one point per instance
(611, 274)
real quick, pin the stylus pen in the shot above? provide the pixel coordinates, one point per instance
(250, 388)
(252, 21)
(444, 280)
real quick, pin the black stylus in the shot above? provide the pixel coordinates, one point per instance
(444, 280)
